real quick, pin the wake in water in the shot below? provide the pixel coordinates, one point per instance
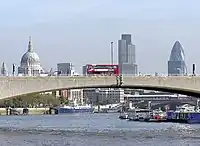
(180, 131)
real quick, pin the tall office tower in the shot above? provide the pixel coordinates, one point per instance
(126, 56)
(126, 37)
(122, 52)
(4, 70)
(176, 63)
(84, 70)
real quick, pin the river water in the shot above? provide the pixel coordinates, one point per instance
(93, 130)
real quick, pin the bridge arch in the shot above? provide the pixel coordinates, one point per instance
(162, 89)
(193, 93)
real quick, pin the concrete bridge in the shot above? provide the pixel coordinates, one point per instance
(13, 86)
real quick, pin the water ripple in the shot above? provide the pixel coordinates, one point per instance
(98, 131)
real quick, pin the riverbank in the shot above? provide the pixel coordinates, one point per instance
(31, 111)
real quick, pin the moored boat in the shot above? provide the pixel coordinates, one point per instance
(75, 109)
(123, 115)
(158, 114)
(137, 114)
(184, 114)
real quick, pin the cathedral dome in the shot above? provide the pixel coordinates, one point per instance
(30, 57)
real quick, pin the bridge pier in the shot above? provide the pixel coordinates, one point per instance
(7, 111)
(57, 93)
(53, 111)
(54, 93)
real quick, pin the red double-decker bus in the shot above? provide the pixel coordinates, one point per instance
(102, 69)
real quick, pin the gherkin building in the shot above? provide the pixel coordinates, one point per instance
(176, 63)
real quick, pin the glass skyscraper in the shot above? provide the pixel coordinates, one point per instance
(126, 56)
(176, 63)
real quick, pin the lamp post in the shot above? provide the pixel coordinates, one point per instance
(193, 69)
(13, 69)
(111, 47)
(121, 80)
(117, 80)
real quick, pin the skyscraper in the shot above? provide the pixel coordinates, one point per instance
(126, 37)
(4, 70)
(126, 56)
(176, 63)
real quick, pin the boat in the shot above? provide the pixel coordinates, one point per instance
(137, 114)
(123, 115)
(113, 111)
(109, 108)
(158, 114)
(75, 109)
(184, 114)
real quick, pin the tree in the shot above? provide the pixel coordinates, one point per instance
(31, 100)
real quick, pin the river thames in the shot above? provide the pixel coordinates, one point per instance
(93, 130)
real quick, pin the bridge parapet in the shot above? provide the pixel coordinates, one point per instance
(181, 82)
(13, 86)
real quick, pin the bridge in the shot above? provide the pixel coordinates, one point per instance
(158, 98)
(14, 86)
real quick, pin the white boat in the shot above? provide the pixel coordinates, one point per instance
(75, 109)
(139, 114)
(185, 108)
(158, 114)
(123, 115)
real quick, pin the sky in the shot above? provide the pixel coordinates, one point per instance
(80, 31)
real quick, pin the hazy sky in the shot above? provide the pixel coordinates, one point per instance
(80, 31)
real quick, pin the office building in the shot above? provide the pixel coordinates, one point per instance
(176, 63)
(127, 56)
(84, 70)
(66, 69)
(4, 70)
(103, 96)
(75, 96)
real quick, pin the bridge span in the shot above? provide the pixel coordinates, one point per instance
(158, 98)
(13, 86)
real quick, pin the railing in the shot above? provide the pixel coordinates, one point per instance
(99, 75)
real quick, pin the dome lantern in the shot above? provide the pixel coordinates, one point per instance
(30, 45)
